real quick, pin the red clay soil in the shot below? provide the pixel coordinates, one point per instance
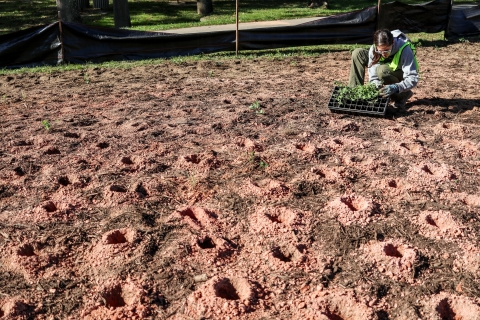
(164, 192)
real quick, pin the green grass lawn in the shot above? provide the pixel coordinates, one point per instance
(163, 15)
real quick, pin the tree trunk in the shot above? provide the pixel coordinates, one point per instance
(204, 7)
(121, 15)
(100, 4)
(69, 10)
(83, 4)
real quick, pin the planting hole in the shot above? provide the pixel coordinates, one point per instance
(63, 181)
(281, 255)
(445, 311)
(19, 171)
(189, 213)
(426, 169)
(275, 219)
(305, 147)
(336, 141)
(103, 145)
(127, 160)
(206, 243)
(404, 145)
(392, 251)
(354, 204)
(26, 250)
(140, 189)
(430, 221)
(117, 188)
(52, 150)
(446, 126)
(392, 184)
(193, 159)
(71, 135)
(116, 237)
(319, 173)
(113, 298)
(226, 290)
(333, 316)
(50, 207)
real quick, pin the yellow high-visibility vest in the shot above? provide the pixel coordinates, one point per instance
(396, 58)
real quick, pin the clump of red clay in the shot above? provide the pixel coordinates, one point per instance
(197, 217)
(333, 304)
(229, 297)
(353, 209)
(438, 225)
(248, 144)
(27, 260)
(268, 187)
(201, 162)
(449, 306)
(116, 299)
(328, 174)
(14, 308)
(363, 162)
(307, 148)
(393, 258)
(337, 144)
(468, 258)
(472, 200)
(114, 247)
(273, 220)
(428, 173)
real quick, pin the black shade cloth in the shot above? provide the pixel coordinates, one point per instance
(31, 47)
(349, 28)
(43, 45)
(464, 21)
(430, 17)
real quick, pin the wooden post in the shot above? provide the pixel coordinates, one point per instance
(378, 13)
(236, 29)
(62, 53)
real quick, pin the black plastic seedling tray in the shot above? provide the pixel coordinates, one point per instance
(375, 108)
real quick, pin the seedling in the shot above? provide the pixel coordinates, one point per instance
(210, 73)
(256, 107)
(86, 78)
(360, 99)
(46, 124)
(254, 159)
(263, 164)
(366, 92)
(192, 178)
(251, 156)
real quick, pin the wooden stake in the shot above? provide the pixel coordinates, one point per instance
(62, 52)
(378, 14)
(236, 28)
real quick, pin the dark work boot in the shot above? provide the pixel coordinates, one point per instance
(401, 99)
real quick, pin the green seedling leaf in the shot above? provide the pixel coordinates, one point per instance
(46, 124)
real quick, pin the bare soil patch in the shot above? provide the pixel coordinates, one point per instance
(157, 192)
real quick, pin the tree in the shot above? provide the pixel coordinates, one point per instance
(69, 10)
(204, 7)
(121, 14)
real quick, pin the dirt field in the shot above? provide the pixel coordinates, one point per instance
(159, 193)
